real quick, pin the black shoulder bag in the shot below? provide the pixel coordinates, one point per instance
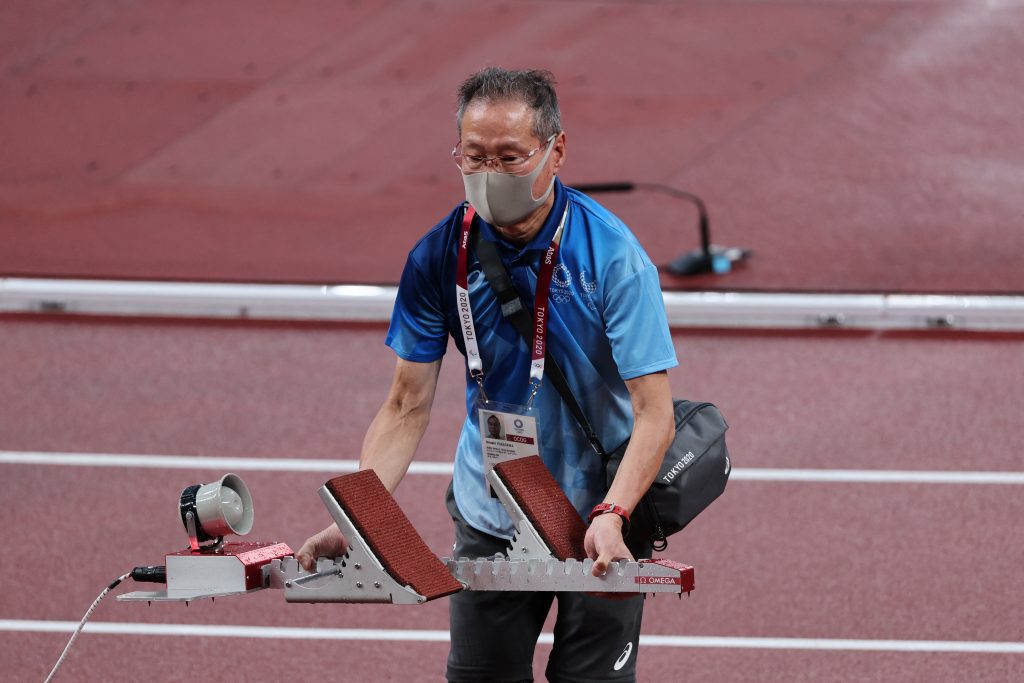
(696, 465)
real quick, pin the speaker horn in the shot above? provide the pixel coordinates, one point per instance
(212, 511)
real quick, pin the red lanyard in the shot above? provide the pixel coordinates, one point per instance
(540, 309)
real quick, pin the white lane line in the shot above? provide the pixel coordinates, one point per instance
(438, 636)
(879, 476)
(200, 462)
(196, 462)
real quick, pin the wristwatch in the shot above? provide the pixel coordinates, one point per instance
(604, 508)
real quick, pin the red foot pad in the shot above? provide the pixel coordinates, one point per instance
(390, 535)
(544, 504)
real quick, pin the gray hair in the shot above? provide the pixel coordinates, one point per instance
(534, 88)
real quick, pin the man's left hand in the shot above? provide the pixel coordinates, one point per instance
(604, 543)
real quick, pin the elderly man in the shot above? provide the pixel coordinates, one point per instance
(596, 303)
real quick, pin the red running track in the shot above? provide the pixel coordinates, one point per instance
(852, 145)
(906, 562)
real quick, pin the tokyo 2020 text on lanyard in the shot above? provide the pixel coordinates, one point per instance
(540, 308)
(507, 431)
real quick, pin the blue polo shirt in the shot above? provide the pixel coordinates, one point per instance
(606, 324)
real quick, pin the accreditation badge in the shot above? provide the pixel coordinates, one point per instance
(507, 432)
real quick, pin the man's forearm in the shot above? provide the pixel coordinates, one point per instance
(653, 430)
(395, 432)
(391, 442)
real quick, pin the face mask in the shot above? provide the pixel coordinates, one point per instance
(503, 199)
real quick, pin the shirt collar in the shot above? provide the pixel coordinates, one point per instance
(542, 240)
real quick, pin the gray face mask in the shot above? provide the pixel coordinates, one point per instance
(503, 199)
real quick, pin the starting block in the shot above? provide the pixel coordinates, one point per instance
(388, 561)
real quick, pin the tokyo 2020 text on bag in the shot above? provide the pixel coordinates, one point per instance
(693, 473)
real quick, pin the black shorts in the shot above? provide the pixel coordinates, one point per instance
(494, 633)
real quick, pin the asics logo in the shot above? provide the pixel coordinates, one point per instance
(624, 657)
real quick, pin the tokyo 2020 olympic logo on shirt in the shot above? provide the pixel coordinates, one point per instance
(563, 287)
(561, 284)
(588, 289)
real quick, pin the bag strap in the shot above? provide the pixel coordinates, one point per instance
(513, 310)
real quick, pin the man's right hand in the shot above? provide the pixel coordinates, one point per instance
(328, 543)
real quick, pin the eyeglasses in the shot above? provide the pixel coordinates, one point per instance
(505, 163)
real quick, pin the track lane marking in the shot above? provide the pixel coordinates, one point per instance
(198, 462)
(193, 462)
(438, 636)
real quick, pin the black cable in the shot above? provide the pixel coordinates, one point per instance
(693, 266)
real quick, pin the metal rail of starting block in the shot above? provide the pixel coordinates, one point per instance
(622, 576)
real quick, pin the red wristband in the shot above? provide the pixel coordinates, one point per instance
(603, 508)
